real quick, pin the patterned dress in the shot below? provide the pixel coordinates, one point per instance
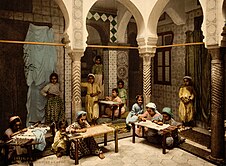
(86, 146)
(54, 109)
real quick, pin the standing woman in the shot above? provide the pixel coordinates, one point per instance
(186, 108)
(91, 103)
(54, 109)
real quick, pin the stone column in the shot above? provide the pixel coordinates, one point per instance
(147, 49)
(147, 77)
(76, 82)
(217, 111)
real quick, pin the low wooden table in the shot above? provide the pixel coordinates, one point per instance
(111, 104)
(25, 143)
(94, 131)
(164, 129)
(26, 140)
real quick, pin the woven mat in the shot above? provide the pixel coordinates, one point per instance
(195, 136)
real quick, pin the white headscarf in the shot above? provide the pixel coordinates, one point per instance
(151, 105)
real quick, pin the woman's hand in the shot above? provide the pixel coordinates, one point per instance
(81, 130)
(49, 95)
(140, 118)
(107, 98)
(93, 94)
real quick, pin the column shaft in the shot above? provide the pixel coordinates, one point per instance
(217, 114)
(76, 83)
(147, 78)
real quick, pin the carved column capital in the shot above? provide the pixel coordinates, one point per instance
(76, 54)
(147, 58)
(215, 53)
(143, 50)
(147, 45)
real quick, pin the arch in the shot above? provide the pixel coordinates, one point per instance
(95, 38)
(154, 16)
(130, 7)
(136, 14)
(65, 13)
(101, 32)
(123, 26)
(224, 9)
(176, 17)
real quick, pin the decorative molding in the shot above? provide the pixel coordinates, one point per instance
(211, 23)
(78, 23)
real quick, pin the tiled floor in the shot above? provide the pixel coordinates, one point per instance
(139, 154)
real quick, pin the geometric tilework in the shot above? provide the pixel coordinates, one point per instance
(106, 17)
(112, 70)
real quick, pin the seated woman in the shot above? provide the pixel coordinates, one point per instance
(115, 108)
(88, 145)
(60, 143)
(153, 115)
(14, 129)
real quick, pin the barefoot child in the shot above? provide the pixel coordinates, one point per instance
(59, 145)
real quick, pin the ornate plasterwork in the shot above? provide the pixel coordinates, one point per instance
(147, 45)
(211, 23)
(78, 23)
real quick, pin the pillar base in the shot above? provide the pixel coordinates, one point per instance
(219, 161)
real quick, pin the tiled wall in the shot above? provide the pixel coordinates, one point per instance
(167, 95)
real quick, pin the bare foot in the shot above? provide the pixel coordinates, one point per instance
(101, 156)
